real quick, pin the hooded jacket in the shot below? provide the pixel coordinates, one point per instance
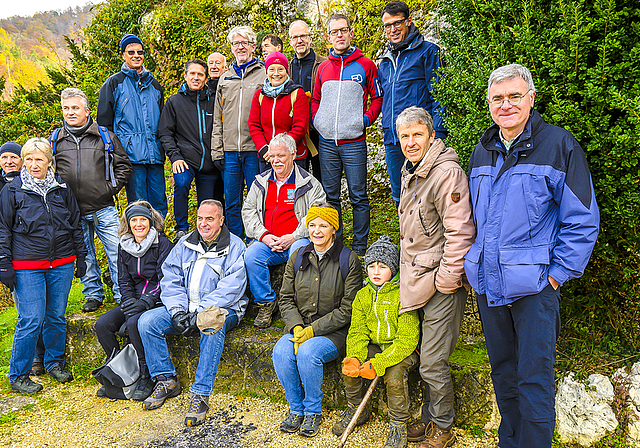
(130, 105)
(436, 227)
(535, 210)
(185, 127)
(344, 84)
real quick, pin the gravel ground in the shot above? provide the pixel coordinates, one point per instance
(70, 416)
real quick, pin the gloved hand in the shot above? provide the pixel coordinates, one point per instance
(81, 267)
(219, 163)
(351, 367)
(367, 371)
(192, 322)
(149, 300)
(304, 335)
(179, 321)
(132, 307)
(296, 332)
(7, 274)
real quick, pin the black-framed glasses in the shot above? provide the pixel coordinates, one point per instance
(299, 37)
(133, 52)
(397, 24)
(513, 99)
(342, 31)
(244, 44)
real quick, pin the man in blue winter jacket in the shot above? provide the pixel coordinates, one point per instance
(130, 105)
(407, 73)
(537, 222)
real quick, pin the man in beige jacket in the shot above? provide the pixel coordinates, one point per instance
(436, 231)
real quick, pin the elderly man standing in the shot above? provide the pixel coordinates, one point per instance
(217, 65)
(231, 146)
(203, 292)
(10, 162)
(537, 219)
(130, 105)
(436, 230)
(408, 70)
(274, 216)
(93, 163)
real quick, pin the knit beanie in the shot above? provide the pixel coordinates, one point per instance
(384, 251)
(129, 39)
(329, 214)
(11, 147)
(138, 210)
(277, 58)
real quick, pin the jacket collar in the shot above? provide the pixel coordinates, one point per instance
(534, 123)
(144, 77)
(91, 130)
(348, 57)
(431, 158)
(231, 73)
(192, 241)
(415, 42)
(333, 253)
(193, 94)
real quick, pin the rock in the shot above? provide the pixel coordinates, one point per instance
(584, 416)
(15, 403)
(631, 381)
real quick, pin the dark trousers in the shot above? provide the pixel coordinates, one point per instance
(107, 327)
(521, 342)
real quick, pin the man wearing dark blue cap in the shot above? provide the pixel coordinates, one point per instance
(130, 105)
(10, 162)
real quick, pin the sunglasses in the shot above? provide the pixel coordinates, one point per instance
(138, 52)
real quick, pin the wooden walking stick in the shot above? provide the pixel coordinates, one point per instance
(356, 416)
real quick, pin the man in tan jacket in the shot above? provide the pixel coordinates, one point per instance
(436, 231)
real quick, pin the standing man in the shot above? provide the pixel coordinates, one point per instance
(217, 65)
(270, 44)
(537, 219)
(408, 71)
(184, 129)
(436, 231)
(10, 162)
(231, 146)
(95, 173)
(130, 105)
(344, 84)
(303, 70)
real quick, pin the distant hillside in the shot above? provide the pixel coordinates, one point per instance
(30, 44)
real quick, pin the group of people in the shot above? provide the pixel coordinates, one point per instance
(523, 223)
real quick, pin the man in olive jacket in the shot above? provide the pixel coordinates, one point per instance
(436, 231)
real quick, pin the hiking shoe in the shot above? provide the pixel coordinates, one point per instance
(91, 305)
(345, 419)
(37, 368)
(291, 423)
(310, 425)
(102, 392)
(60, 374)
(397, 437)
(438, 438)
(24, 385)
(165, 388)
(265, 310)
(197, 413)
(179, 234)
(143, 389)
(416, 431)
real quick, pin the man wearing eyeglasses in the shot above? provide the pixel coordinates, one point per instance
(343, 86)
(232, 149)
(130, 105)
(303, 70)
(537, 222)
(407, 71)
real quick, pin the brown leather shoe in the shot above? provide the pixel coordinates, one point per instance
(416, 431)
(438, 438)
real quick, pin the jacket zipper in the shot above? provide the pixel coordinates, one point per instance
(200, 127)
(338, 104)
(273, 118)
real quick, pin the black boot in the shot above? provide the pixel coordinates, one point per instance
(145, 384)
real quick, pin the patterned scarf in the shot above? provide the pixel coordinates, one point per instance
(40, 186)
(271, 91)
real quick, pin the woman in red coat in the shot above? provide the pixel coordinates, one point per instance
(280, 106)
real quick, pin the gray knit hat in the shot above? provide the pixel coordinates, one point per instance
(384, 251)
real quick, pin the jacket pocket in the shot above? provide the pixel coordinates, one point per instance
(472, 266)
(524, 270)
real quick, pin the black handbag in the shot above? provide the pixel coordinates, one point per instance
(120, 373)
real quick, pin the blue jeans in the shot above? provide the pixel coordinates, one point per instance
(352, 158)
(41, 300)
(105, 224)
(205, 186)
(521, 343)
(301, 375)
(257, 259)
(155, 324)
(395, 161)
(240, 169)
(147, 183)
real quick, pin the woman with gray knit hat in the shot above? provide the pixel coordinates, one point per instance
(381, 342)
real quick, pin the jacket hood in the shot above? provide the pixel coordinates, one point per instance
(353, 56)
(145, 77)
(415, 42)
(437, 154)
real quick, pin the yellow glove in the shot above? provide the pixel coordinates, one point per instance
(296, 332)
(302, 336)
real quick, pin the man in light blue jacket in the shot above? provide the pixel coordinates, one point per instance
(203, 292)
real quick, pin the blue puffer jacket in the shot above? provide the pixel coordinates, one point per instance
(408, 81)
(535, 212)
(194, 278)
(130, 105)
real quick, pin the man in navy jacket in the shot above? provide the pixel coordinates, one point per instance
(537, 222)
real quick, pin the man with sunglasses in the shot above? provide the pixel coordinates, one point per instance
(343, 87)
(407, 72)
(130, 105)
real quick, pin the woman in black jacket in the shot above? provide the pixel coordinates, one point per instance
(142, 250)
(40, 238)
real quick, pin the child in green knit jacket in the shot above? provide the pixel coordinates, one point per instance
(380, 342)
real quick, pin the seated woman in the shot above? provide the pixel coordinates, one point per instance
(40, 238)
(320, 282)
(142, 250)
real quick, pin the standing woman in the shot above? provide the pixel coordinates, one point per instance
(280, 106)
(142, 249)
(40, 238)
(315, 303)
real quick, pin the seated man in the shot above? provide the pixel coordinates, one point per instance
(203, 292)
(274, 216)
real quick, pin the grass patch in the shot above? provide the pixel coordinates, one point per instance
(470, 355)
